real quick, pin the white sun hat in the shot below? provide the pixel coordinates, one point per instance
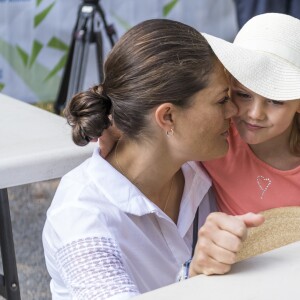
(265, 55)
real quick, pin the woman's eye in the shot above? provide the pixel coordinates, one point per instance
(224, 100)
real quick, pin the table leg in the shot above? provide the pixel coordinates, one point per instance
(11, 290)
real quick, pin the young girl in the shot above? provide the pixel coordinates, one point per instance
(262, 167)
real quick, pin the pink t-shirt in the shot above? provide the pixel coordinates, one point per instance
(243, 183)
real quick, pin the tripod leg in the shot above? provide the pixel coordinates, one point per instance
(80, 57)
(83, 35)
(109, 29)
(99, 54)
(78, 33)
(64, 84)
(77, 68)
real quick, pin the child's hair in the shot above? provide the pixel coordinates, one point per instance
(155, 62)
(295, 136)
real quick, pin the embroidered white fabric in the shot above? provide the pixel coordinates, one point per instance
(141, 248)
(92, 269)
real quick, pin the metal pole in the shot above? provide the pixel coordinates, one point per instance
(11, 281)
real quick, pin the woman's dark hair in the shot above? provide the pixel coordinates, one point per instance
(155, 62)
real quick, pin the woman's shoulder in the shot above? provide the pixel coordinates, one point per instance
(78, 211)
(85, 187)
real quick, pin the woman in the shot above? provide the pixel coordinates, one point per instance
(123, 226)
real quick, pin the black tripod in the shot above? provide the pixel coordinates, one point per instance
(87, 30)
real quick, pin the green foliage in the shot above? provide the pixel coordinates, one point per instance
(26, 65)
(38, 2)
(33, 77)
(36, 49)
(1, 86)
(57, 44)
(60, 65)
(42, 15)
(46, 105)
(168, 7)
(23, 55)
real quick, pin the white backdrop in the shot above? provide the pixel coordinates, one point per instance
(35, 34)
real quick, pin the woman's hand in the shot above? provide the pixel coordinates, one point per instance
(108, 140)
(219, 240)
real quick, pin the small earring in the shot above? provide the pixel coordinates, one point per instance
(170, 132)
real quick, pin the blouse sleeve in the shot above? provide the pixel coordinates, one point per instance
(92, 268)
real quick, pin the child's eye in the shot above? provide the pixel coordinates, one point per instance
(275, 102)
(243, 95)
(224, 100)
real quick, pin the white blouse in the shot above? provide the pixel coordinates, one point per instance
(103, 239)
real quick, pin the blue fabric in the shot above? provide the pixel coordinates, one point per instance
(246, 9)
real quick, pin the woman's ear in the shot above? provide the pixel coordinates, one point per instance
(164, 116)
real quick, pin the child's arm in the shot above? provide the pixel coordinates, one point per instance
(108, 140)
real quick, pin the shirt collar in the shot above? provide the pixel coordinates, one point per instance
(197, 184)
(117, 188)
(127, 197)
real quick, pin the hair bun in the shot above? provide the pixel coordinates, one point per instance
(100, 90)
(87, 113)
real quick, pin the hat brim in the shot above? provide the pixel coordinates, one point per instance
(281, 227)
(263, 73)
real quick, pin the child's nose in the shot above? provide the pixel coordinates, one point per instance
(256, 110)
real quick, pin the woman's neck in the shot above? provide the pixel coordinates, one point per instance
(154, 172)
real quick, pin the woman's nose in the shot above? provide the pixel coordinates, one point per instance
(230, 110)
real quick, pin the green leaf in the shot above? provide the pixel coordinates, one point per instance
(2, 85)
(23, 55)
(38, 2)
(58, 44)
(42, 15)
(168, 7)
(36, 49)
(60, 65)
(121, 21)
(33, 77)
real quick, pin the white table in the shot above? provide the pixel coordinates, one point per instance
(35, 145)
(274, 275)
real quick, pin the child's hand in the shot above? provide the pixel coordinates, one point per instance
(108, 140)
(219, 240)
